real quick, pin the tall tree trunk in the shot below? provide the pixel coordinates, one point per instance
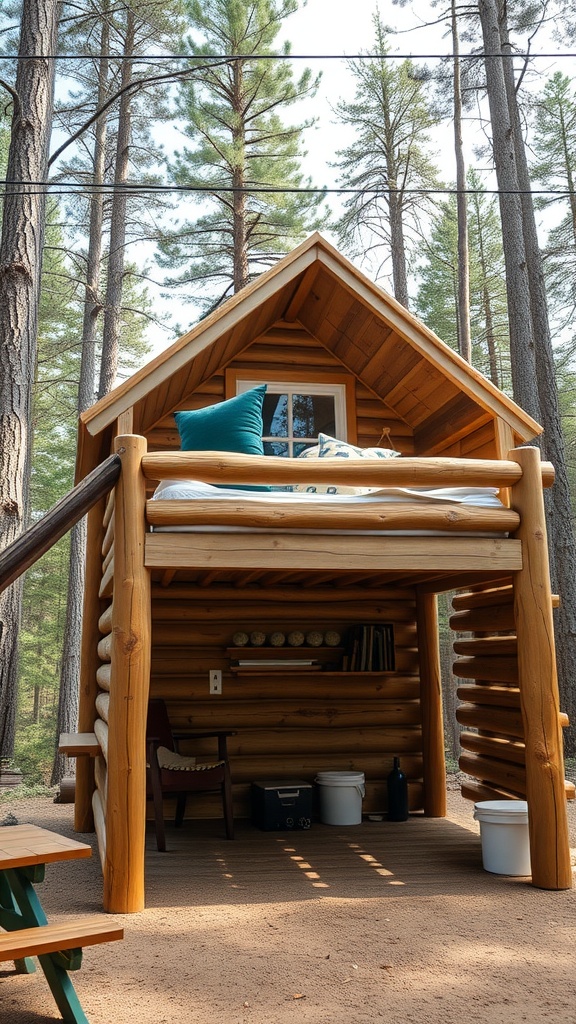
(487, 303)
(68, 696)
(116, 259)
(399, 272)
(562, 542)
(239, 226)
(464, 337)
(522, 354)
(20, 273)
(528, 318)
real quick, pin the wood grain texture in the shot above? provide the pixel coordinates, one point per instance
(431, 706)
(549, 847)
(129, 688)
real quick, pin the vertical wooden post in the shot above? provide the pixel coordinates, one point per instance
(89, 662)
(129, 689)
(431, 705)
(547, 820)
(504, 438)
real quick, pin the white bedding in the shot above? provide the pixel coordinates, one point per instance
(483, 497)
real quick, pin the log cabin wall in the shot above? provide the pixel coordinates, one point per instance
(287, 348)
(293, 727)
(494, 752)
(289, 724)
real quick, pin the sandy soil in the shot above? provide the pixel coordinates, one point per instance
(476, 948)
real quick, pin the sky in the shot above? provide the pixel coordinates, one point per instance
(322, 28)
(331, 28)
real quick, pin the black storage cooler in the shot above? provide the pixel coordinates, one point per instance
(282, 805)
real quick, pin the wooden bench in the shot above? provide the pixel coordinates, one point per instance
(62, 936)
(75, 744)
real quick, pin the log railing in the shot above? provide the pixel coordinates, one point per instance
(39, 538)
(229, 469)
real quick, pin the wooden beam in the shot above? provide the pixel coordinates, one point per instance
(129, 688)
(448, 518)
(230, 468)
(322, 552)
(549, 846)
(431, 704)
(89, 664)
(302, 289)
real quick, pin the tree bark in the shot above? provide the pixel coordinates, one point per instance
(21, 247)
(531, 354)
(115, 277)
(68, 695)
(522, 354)
(562, 543)
(240, 227)
(464, 334)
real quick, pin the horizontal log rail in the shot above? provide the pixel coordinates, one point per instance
(230, 468)
(397, 516)
(39, 538)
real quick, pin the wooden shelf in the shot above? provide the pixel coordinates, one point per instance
(275, 670)
(279, 652)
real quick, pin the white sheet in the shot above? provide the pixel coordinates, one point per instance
(484, 497)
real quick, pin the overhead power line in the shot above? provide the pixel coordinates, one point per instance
(143, 58)
(70, 188)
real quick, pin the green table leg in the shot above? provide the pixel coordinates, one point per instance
(21, 908)
(11, 919)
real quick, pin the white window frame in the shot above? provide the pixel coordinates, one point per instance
(303, 387)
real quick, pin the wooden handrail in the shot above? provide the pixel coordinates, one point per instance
(39, 538)
(229, 468)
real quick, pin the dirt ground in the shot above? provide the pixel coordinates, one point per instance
(443, 946)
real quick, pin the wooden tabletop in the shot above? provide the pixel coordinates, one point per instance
(24, 845)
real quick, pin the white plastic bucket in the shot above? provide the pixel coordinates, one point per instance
(341, 796)
(504, 836)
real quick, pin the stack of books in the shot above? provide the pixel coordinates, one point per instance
(370, 648)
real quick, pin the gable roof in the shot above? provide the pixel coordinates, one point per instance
(367, 331)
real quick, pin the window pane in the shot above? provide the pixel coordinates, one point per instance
(275, 415)
(300, 447)
(312, 414)
(276, 448)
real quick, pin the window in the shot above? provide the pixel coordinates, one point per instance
(295, 412)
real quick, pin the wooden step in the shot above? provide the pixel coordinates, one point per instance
(51, 938)
(74, 744)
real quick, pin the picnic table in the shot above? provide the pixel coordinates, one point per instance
(24, 852)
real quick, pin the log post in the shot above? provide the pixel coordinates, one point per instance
(129, 688)
(431, 705)
(89, 663)
(549, 846)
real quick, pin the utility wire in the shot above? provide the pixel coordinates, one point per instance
(288, 56)
(70, 188)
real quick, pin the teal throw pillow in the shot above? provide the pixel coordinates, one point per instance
(231, 426)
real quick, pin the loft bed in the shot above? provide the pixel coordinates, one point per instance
(155, 561)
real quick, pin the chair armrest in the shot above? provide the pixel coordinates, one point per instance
(220, 735)
(202, 735)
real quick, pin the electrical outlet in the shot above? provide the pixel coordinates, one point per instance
(215, 680)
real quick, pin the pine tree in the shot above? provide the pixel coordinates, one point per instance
(437, 297)
(387, 161)
(243, 158)
(554, 143)
(21, 246)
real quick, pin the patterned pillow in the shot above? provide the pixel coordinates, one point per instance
(331, 448)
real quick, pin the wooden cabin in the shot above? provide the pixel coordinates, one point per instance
(170, 582)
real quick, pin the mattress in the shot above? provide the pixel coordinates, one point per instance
(190, 490)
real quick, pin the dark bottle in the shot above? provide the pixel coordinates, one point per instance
(397, 793)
